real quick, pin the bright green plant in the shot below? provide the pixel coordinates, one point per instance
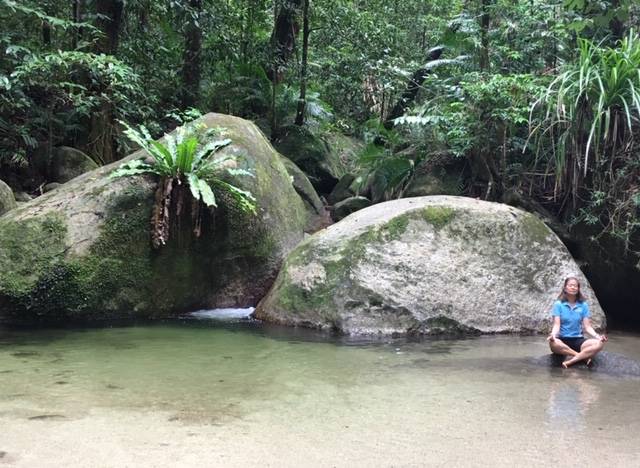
(383, 173)
(186, 158)
(591, 119)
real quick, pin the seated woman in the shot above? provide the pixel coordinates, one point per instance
(571, 317)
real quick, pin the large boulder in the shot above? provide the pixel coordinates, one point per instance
(312, 153)
(84, 249)
(426, 265)
(68, 163)
(7, 199)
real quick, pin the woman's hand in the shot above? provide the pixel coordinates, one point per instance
(602, 338)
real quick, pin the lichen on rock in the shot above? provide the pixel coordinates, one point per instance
(426, 265)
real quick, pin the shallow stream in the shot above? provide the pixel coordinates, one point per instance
(208, 393)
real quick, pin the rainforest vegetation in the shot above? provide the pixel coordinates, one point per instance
(534, 103)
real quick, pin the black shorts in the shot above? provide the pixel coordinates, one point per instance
(573, 343)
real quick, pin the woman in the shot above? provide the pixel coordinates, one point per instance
(571, 317)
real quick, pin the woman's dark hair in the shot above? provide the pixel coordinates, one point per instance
(563, 296)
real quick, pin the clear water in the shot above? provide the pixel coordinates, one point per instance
(202, 393)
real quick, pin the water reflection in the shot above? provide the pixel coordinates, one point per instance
(570, 400)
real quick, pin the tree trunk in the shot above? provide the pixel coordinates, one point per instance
(109, 21)
(274, 81)
(191, 67)
(484, 35)
(247, 31)
(283, 38)
(615, 25)
(413, 87)
(303, 71)
(76, 16)
(46, 34)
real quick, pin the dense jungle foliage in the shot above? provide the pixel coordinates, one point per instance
(534, 103)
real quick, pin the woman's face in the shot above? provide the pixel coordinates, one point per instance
(571, 288)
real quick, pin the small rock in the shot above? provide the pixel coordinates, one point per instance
(23, 197)
(7, 199)
(350, 205)
(51, 186)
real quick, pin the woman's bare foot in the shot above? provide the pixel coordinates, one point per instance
(589, 362)
(566, 363)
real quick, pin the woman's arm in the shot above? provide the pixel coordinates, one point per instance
(586, 326)
(555, 329)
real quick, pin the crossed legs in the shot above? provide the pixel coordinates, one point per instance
(558, 347)
(588, 349)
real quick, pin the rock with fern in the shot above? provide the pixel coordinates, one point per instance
(201, 218)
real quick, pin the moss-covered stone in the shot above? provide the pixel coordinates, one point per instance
(29, 248)
(397, 226)
(84, 251)
(438, 216)
(313, 155)
(67, 163)
(7, 199)
(428, 265)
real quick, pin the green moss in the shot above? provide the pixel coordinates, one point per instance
(27, 249)
(438, 216)
(397, 226)
(536, 229)
(37, 276)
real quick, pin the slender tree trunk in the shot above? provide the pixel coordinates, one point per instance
(191, 68)
(615, 25)
(76, 16)
(302, 100)
(484, 35)
(274, 81)
(247, 30)
(285, 31)
(110, 16)
(101, 144)
(46, 33)
(411, 92)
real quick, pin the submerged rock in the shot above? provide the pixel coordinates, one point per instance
(605, 362)
(426, 265)
(84, 250)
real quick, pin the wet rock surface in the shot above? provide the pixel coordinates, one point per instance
(605, 362)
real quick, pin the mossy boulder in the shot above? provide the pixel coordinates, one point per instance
(83, 251)
(7, 199)
(426, 265)
(350, 205)
(303, 187)
(68, 163)
(342, 190)
(440, 183)
(312, 153)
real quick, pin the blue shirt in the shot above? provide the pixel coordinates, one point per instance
(571, 318)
